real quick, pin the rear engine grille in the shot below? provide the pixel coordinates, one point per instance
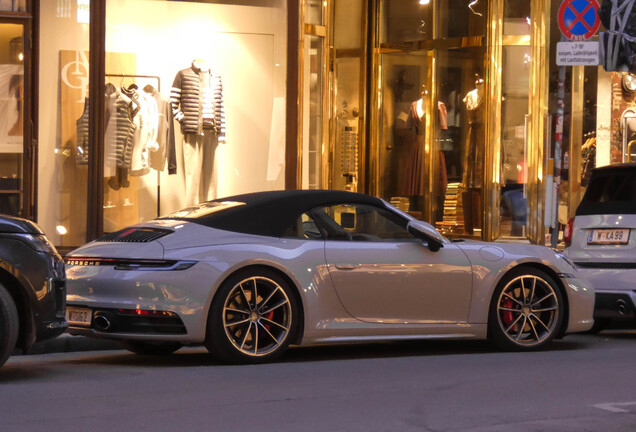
(135, 235)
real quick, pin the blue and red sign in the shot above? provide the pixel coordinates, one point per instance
(578, 19)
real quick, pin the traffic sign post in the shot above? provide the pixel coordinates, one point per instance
(578, 21)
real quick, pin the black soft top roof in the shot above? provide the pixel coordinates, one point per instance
(266, 213)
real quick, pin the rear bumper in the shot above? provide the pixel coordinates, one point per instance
(615, 292)
(615, 306)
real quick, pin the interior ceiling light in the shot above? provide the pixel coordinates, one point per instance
(425, 2)
(471, 5)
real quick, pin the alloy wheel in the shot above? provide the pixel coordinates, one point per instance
(528, 310)
(257, 316)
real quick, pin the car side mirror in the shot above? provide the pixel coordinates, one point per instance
(426, 232)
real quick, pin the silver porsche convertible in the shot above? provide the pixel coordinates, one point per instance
(248, 275)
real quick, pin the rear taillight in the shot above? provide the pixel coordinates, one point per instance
(567, 232)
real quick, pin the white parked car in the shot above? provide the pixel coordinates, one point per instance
(601, 241)
(248, 275)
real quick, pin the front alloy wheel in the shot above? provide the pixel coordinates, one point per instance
(252, 318)
(527, 310)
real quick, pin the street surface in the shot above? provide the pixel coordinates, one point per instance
(583, 383)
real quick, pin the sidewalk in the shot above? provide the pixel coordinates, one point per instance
(67, 343)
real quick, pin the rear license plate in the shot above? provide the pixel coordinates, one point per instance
(608, 236)
(79, 316)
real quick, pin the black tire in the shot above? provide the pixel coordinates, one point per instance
(526, 310)
(253, 317)
(9, 325)
(150, 348)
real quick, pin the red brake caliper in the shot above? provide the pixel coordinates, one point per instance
(506, 316)
(269, 316)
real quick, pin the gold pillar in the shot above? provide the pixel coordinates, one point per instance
(301, 95)
(492, 121)
(375, 81)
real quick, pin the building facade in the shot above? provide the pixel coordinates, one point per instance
(124, 110)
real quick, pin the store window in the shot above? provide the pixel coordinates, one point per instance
(514, 141)
(63, 92)
(460, 137)
(11, 119)
(462, 18)
(194, 108)
(198, 90)
(432, 139)
(314, 82)
(14, 5)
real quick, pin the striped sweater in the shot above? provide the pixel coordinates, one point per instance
(197, 101)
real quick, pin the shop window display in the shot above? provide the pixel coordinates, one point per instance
(12, 119)
(194, 109)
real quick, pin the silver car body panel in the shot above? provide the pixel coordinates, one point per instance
(407, 290)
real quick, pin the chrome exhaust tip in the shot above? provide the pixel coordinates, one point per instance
(101, 322)
(621, 306)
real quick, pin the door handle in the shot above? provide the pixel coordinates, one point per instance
(347, 266)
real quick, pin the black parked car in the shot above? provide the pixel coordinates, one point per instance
(32, 287)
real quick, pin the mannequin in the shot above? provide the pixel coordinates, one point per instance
(197, 104)
(414, 183)
(473, 157)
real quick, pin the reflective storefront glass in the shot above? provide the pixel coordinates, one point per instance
(12, 119)
(63, 92)
(193, 109)
(453, 134)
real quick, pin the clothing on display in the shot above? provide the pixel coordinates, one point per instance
(473, 158)
(197, 100)
(588, 156)
(165, 133)
(414, 182)
(197, 104)
(199, 167)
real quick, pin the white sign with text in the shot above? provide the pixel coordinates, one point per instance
(578, 53)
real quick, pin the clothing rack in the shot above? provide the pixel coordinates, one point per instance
(159, 90)
(137, 76)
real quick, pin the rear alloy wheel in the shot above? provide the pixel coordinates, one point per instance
(150, 348)
(526, 311)
(252, 318)
(9, 325)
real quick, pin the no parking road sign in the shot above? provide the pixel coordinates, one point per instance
(578, 19)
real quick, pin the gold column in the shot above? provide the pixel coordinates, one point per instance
(375, 81)
(538, 110)
(492, 121)
(301, 96)
(327, 85)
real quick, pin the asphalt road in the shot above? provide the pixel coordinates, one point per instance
(583, 383)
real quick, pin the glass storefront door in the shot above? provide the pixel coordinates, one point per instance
(459, 130)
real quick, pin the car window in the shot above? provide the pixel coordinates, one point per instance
(610, 193)
(304, 228)
(359, 222)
